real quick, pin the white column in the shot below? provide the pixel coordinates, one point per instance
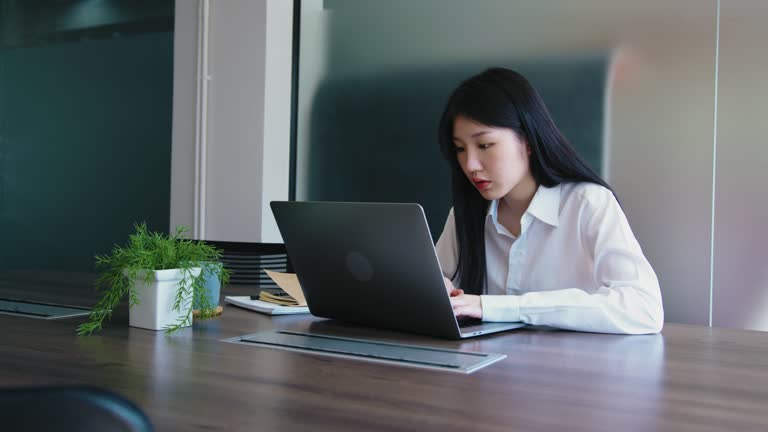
(231, 139)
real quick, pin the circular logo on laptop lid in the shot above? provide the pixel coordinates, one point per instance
(359, 266)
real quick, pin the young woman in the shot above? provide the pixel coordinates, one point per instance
(535, 235)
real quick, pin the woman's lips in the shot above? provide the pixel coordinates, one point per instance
(482, 184)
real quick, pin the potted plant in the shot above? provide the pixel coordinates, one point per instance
(162, 275)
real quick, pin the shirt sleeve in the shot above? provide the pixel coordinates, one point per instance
(447, 249)
(627, 299)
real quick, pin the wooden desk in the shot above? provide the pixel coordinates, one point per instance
(687, 379)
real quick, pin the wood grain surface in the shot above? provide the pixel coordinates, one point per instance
(688, 378)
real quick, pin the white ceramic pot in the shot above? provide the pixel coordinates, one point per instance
(155, 310)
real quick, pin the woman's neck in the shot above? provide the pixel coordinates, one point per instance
(514, 204)
(519, 198)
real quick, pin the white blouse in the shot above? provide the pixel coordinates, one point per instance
(576, 265)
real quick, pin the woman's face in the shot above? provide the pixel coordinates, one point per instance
(494, 159)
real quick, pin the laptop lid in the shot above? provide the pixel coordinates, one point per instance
(369, 263)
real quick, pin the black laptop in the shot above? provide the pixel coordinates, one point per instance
(372, 264)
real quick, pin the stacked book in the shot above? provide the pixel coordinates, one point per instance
(277, 296)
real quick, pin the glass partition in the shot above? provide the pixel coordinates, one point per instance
(630, 83)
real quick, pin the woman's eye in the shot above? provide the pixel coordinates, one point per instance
(458, 149)
(484, 146)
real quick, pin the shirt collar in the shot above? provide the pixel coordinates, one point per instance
(544, 206)
(493, 210)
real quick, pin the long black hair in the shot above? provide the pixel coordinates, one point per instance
(501, 97)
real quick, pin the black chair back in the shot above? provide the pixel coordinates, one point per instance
(69, 409)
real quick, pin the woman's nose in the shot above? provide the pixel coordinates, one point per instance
(473, 163)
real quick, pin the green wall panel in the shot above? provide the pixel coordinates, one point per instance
(85, 147)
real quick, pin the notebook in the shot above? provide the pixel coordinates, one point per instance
(372, 264)
(257, 305)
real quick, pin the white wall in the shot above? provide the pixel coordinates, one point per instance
(184, 92)
(740, 294)
(277, 113)
(231, 131)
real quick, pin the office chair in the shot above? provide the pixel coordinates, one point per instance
(246, 261)
(69, 409)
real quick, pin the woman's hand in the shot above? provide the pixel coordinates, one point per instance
(464, 305)
(452, 290)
